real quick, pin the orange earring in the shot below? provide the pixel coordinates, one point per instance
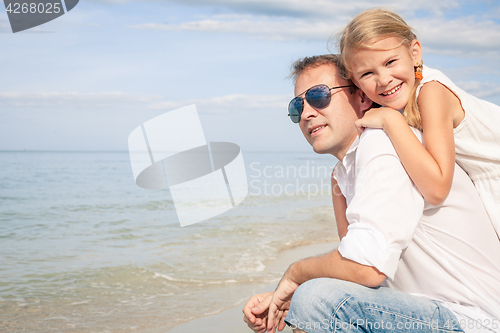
(418, 71)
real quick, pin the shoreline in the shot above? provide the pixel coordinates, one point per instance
(232, 320)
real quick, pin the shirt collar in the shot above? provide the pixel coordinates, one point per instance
(344, 170)
(351, 153)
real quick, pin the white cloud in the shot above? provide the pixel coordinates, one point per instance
(467, 36)
(311, 8)
(73, 99)
(493, 13)
(233, 16)
(480, 89)
(260, 28)
(219, 104)
(120, 2)
(229, 103)
(319, 19)
(322, 8)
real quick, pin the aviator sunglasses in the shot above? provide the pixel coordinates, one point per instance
(318, 97)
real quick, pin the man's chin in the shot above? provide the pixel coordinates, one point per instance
(320, 150)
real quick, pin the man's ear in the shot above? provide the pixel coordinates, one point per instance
(363, 103)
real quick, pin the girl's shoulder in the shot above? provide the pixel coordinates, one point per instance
(435, 94)
(440, 99)
(435, 75)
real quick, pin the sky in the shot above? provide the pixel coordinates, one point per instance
(85, 80)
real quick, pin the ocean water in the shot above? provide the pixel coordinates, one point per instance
(83, 249)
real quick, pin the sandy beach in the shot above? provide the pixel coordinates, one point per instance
(232, 320)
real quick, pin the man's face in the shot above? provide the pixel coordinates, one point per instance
(329, 130)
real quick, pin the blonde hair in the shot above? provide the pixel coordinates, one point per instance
(374, 25)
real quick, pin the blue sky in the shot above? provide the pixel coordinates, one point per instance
(85, 80)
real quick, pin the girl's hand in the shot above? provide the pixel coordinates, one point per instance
(376, 118)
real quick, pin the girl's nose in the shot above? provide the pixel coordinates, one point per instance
(384, 78)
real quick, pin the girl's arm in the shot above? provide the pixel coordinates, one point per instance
(339, 208)
(431, 167)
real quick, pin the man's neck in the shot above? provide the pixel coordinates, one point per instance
(342, 152)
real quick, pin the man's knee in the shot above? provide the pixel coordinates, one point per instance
(316, 292)
(313, 301)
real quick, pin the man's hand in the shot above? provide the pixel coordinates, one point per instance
(255, 312)
(280, 303)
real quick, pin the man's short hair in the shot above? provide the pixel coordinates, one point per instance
(299, 66)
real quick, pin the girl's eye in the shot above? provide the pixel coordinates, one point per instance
(390, 62)
(365, 75)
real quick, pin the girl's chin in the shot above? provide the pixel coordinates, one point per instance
(396, 105)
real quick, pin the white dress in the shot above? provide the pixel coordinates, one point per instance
(477, 143)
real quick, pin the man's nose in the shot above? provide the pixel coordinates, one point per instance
(308, 111)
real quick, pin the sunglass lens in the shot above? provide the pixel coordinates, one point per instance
(295, 109)
(318, 97)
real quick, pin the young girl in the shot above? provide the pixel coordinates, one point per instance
(384, 59)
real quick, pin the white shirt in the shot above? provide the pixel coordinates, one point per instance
(448, 253)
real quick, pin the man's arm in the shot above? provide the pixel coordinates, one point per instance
(339, 208)
(333, 265)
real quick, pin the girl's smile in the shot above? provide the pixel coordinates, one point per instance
(392, 91)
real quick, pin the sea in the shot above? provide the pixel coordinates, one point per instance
(84, 249)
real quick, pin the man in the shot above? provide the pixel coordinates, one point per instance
(441, 263)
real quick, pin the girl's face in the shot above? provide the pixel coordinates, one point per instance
(385, 72)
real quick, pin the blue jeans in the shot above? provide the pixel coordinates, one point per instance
(330, 305)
